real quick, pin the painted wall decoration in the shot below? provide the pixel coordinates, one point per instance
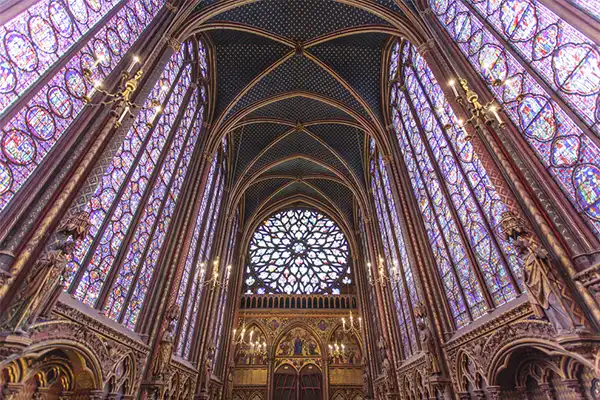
(352, 354)
(254, 353)
(298, 342)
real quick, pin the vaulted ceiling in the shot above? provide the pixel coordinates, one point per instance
(299, 93)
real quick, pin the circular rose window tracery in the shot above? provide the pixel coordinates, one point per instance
(297, 251)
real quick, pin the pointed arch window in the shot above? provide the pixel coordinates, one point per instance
(371, 313)
(42, 38)
(397, 261)
(460, 206)
(527, 55)
(231, 249)
(197, 262)
(135, 198)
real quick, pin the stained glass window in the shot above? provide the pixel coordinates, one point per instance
(396, 256)
(136, 196)
(36, 40)
(459, 203)
(193, 273)
(522, 64)
(568, 61)
(372, 311)
(218, 339)
(197, 263)
(298, 251)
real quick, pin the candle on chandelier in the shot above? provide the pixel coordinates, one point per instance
(98, 60)
(461, 124)
(94, 88)
(494, 111)
(135, 60)
(452, 84)
(157, 111)
(344, 323)
(123, 114)
(360, 322)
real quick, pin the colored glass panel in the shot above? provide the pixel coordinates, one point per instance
(460, 189)
(297, 251)
(34, 40)
(121, 188)
(191, 312)
(406, 288)
(191, 262)
(566, 59)
(560, 145)
(447, 246)
(30, 135)
(145, 244)
(391, 251)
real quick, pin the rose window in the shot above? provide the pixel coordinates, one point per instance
(297, 251)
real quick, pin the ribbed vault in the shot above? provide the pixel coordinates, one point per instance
(299, 94)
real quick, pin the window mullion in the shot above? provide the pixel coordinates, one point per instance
(437, 222)
(384, 231)
(165, 198)
(197, 296)
(554, 95)
(107, 219)
(394, 239)
(195, 258)
(470, 254)
(459, 165)
(124, 245)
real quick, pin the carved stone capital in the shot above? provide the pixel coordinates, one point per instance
(174, 43)
(76, 225)
(171, 7)
(426, 46)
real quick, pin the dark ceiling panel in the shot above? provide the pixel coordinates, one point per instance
(250, 140)
(300, 109)
(338, 193)
(297, 188)
(241, 56)
(299, 167)
(300, 20)
(299, 143)
(347, 141)
(298, 73)
(391, 4)
(357, 59)
(258, 192)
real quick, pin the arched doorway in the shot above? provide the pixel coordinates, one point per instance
(311, 383)
(285, 383)
(291, 384)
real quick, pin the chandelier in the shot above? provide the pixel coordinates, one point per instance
(352, 327)
(215, 280)
(336, 351)
(122, 96)
(382, 277)
(253, 347)
(488, 113)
